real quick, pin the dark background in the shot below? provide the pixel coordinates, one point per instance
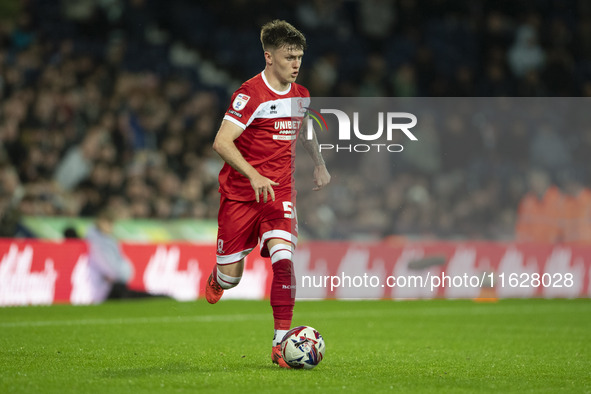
(116, 103)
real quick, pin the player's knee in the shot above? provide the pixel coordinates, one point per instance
(280, 252)
(227, 281)
(228, 276)
(231, 269)
(283, 273)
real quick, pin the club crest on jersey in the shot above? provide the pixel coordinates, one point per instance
(301, 107)
(240, 101)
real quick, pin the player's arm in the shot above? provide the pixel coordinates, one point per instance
(321, 174)
(225, 147)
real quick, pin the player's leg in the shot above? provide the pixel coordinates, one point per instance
(223, 277)
(283, 288)
(278, 239)
(237, 237)
(229, 274)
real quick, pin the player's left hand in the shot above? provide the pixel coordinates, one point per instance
(321, 177)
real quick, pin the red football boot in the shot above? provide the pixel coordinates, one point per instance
(213, 290)
(277, 357)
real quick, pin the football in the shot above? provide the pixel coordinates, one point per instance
(302, 347)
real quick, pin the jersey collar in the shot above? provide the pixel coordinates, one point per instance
(274, 90)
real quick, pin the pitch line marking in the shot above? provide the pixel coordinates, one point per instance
(439, 311)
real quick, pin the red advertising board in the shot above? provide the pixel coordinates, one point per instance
(39, 272)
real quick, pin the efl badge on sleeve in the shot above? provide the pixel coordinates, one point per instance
(240, 101)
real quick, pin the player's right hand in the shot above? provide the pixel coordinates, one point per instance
(263, 185)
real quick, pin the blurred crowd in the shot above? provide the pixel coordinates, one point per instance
(482, 168)
(115, 103)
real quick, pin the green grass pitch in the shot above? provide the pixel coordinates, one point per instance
(455, 346)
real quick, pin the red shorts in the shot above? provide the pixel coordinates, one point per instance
(241, 225)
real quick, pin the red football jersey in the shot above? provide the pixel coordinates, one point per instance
(271, 121)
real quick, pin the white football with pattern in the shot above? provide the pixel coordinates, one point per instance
(302, 347)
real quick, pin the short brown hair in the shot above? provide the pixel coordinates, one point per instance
(278, 33)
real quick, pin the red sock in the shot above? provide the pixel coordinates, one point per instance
(283, 289)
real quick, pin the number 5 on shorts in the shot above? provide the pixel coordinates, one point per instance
(289, 210)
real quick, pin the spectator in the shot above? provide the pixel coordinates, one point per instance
(548, 150)
(77, 164)
(108, 269)
(539, 212)
(376, 21)
(576, 215)
(526, 54)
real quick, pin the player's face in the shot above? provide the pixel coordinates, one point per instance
(286, 63)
